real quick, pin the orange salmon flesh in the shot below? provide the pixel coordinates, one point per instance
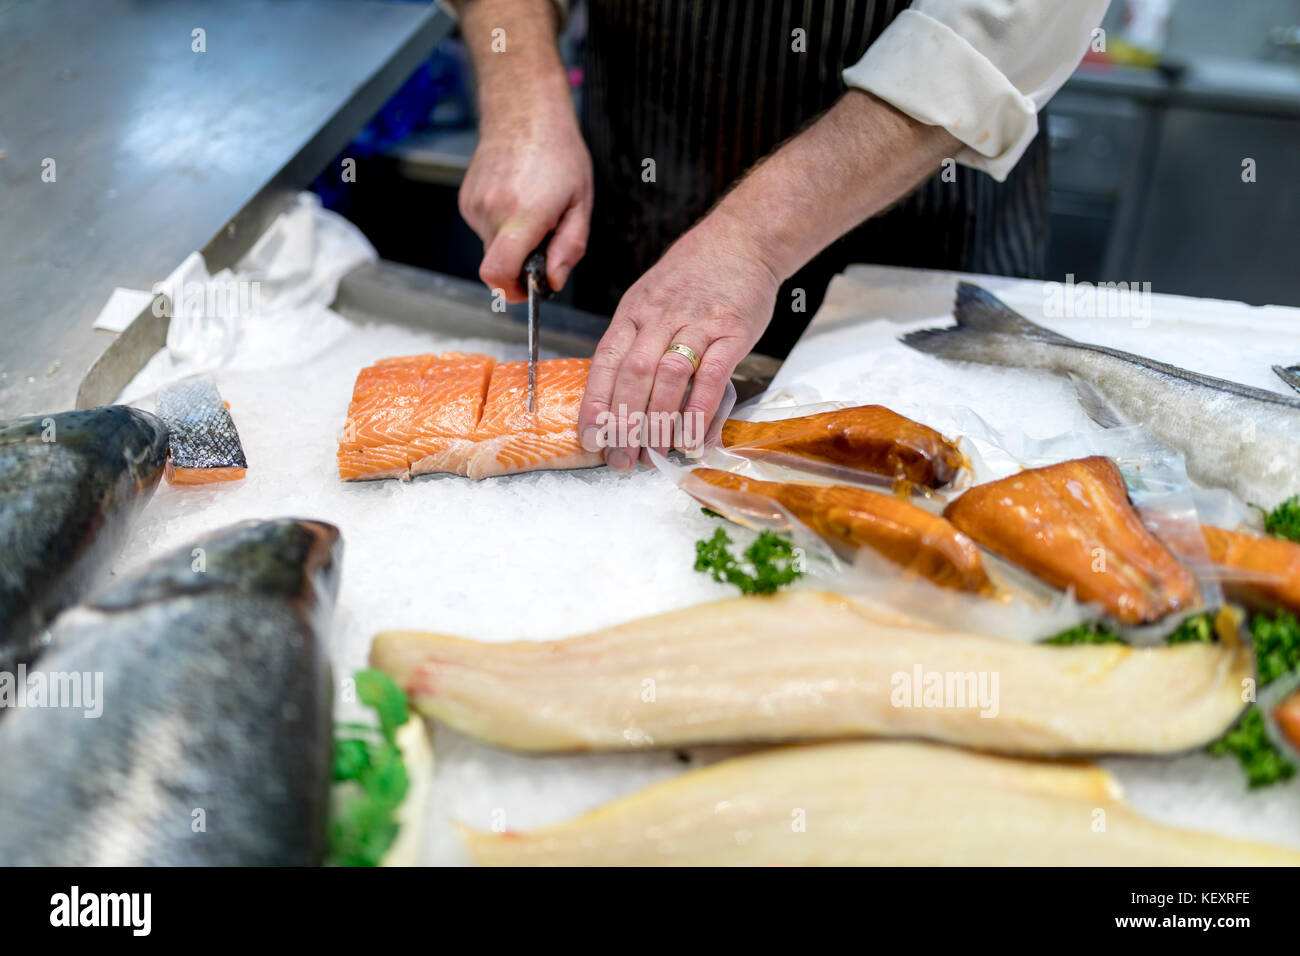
(462, 414)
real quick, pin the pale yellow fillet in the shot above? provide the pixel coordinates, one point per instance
(810, 665)
(881, 803)
(413, 741)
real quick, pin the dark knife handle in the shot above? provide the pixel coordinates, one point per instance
(535, 269)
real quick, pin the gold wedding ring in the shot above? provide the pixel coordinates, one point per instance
(688, 352)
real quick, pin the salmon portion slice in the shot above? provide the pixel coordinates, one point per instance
(382, 461)
(402, 401)
(452, 395)
(1072, 525)
(203, 443)
(1270, 567)
(911, 537)
(511, 440)
(868, 438)
(462, 414)
(385, 400)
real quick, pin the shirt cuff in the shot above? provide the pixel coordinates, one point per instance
(924, 69)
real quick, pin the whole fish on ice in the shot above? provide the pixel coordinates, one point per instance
(207, 678)
(1233, 436)
(70, 485)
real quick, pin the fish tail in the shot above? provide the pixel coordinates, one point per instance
(1290, 374)
(987, 331)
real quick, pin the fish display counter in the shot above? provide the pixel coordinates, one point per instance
(537, 641)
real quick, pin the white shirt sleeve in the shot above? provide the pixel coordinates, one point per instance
(981, 69)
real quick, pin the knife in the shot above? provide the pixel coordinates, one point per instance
(534, 278)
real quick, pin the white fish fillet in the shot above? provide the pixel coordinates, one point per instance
(882, 803)
(807, 665)
(417, 757)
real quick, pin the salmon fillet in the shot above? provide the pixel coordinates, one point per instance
(462, 414)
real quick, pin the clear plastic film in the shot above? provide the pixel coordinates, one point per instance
(1279, 703)
(909, 564)
(863, 446)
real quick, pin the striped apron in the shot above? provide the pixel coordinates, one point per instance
(706, 88)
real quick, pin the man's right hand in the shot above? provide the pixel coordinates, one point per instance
(524, 182)
(531, 173)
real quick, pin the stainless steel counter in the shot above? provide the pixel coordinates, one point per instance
(159, 150)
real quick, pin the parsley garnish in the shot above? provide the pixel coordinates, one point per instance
(1276, 643)
(1284, 520)
(1089, 632)
(1195, 630)
(767, 564)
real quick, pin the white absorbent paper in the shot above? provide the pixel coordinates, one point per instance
(270, 310)
(121, 309)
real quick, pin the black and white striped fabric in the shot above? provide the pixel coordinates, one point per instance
(706, 88)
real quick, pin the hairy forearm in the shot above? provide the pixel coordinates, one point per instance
(512, 44)
(861, 156)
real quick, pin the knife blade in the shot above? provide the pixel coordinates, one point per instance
(533, 278)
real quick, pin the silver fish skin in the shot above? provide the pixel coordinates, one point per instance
(213, 741)
(71, 484)
(1233, 436)
(203, 434)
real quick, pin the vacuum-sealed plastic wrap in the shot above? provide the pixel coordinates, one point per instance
(864, 442)
(868, 495)
(1279, 703)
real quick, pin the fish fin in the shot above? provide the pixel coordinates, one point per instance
(1289, 374)
(1096, 407)
(980, 316)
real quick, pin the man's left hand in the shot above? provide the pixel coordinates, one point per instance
(713, 292)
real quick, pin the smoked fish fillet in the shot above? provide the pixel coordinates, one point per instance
(881, 803)
(1287, 717)
(1271, 566)
(1072, 525)
(909, 536)
(463, 414)
(869, 438)
(203, 444)
(807, 665)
